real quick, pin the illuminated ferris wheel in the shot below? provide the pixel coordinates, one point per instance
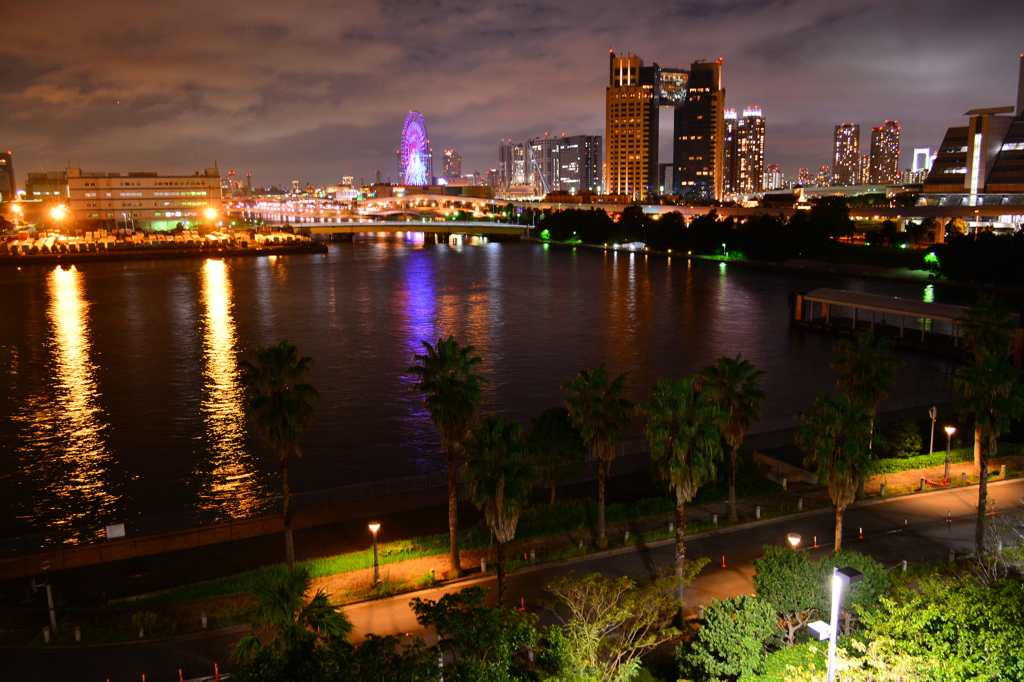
(415, 152)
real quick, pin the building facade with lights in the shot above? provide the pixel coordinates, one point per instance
(631, 128)
(144, 199)
(983, 162)
(885, 154)
(699, 146)
(452, 164)
(846, 157)
(8, 184)
(579, 163)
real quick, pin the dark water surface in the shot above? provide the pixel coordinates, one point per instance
(119, 392)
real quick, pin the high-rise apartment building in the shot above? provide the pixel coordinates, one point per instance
(824, 178)
(542, 163)
(631, 125)
(511, 164)
(846, 154)
(773, 177)
(8, 185)
(885, 154)
(750, 150)
(730, 149)
(452, 164)
(805, 177)
(579, 163)
(698, 147)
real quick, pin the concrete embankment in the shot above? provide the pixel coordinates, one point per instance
(160, 254)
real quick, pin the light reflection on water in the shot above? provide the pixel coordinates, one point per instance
(74, 473)
(232, 483)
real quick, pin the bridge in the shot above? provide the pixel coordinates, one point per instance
(441, 227)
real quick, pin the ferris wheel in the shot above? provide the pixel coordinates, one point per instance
(415, 151)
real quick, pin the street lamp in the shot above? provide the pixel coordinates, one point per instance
(933, 412)
(17, 213)
(823, 630)
(950, 430)
(58, 213)
(374, 527)
(794, 539)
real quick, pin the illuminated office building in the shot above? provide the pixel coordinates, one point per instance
(452, 164)
(698, 147)
(579, 163)
(631, 125)
(511, 164)
(8, 184)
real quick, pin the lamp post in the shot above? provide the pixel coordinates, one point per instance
(933, 412)
(794, 539)
(17, 213)
(45, 567)
(950, 430)
(830, 631)
(374, 527)
(58, 213)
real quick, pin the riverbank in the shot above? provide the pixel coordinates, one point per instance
(141, 254)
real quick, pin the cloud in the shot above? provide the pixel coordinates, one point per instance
(316, 89)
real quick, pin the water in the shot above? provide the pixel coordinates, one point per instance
(119, 391)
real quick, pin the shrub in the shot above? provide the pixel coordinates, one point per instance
(904, 438)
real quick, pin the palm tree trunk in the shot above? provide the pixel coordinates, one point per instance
(839, 528)
(286, 499)
(733, 516)
(453, 513)
(552, 502)
(501, 573)
(602, 541)
(979, 531)
(680, 549)
(977, 451)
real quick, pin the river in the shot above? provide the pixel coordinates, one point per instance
(120, 395)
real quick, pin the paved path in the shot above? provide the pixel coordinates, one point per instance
(928, 537)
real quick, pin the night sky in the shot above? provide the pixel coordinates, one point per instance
(312, 90)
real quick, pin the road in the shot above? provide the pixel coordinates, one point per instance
(912, 528)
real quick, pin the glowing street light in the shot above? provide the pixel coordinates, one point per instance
(950, 430)
(794, 539)
(830, 631)
(17, 213)
(374, 527)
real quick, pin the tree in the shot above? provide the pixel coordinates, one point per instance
(732, 640)
(282, 410)
(501, 476)
(600, 412)
(483, 642)
(862, 597)
(793, 586)
(904, 438)
(299, 635)
(867, 370)
(608, 623)
(736, 387)
(557, 446)
(452, 392)
(834, 436)
(986, 328)
(383, 659)
(683, 424)
(993, 396)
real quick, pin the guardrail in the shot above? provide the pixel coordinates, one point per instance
(355, 492)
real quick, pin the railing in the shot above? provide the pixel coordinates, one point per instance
(355, 492)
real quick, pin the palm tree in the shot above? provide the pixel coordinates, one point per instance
(834, 436)
(557, 445)
(993, 396)
(291, 623)
(501, 476)
(599, 411)
(867, 370)
(282, 410)
(986, 326)
(452, 392)
(683, 426)
(736, 387)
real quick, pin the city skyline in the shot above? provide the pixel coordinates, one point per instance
(320, 91)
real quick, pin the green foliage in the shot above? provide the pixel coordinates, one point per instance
(483, 641)
(963, 629)
(780, 665)
(862, 597)
(895, 466)
(793, 586)
(381, 659)
(867, 368)
(987, 327)
(607, 624)
(446, 377)
(732, 641)
(904, 439)
(557, 446)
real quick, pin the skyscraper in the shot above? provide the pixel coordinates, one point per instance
(542, 163)
(511, 164)
(579, 163)
(698, 148)
(773, 177)
(885, 154)
(8, 185)
(730, 149)
(846, 154)
(750, 151)
(631, 125)
(452, 164)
